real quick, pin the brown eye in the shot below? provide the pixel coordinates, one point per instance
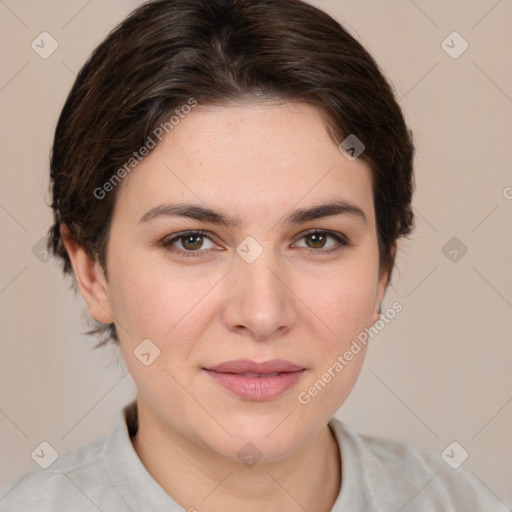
(317, 241)
(189, 243)
(192, 242)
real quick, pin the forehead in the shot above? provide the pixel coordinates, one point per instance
(248, 156)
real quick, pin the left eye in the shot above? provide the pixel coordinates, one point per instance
(320, 237)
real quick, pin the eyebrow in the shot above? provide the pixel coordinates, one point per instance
(298, 216)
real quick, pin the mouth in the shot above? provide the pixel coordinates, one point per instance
(256, 381)
(260, 375)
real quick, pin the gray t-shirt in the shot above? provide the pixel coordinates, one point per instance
(379, 475)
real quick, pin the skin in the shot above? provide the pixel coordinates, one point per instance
(257, 161)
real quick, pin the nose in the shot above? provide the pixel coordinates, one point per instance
(260, 301)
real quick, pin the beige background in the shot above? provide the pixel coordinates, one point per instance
(439, 372)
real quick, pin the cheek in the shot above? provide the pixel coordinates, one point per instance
(157, 304)
(344, 306)
(345, 302)
(168, 311)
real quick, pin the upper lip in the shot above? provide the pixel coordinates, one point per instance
(247, 366)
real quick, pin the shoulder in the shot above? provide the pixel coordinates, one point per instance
(397, 474)
(75, 481)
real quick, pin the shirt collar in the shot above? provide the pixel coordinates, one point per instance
(356, 493)
(129, 475)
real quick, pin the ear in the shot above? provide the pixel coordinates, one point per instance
(90, 278)
(382, 285)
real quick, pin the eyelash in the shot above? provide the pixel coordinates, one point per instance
(167, 243)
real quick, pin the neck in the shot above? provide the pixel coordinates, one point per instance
(198, 478)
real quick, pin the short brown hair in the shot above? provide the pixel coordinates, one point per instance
(217, 51)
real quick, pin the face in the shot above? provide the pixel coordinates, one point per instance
(249, 305)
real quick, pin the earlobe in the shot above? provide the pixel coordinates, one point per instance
(375, 315)
(382, 286)
(90, 278)
(377, 308)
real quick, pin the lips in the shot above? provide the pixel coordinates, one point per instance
(256, 381)
(265, 368)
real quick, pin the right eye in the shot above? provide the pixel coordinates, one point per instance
(190, 241)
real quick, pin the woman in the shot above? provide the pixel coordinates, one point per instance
(229, 180)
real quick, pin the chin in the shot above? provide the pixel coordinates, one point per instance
(249, 449)
(275, 435)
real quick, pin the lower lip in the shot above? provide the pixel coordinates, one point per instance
(257, 388)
